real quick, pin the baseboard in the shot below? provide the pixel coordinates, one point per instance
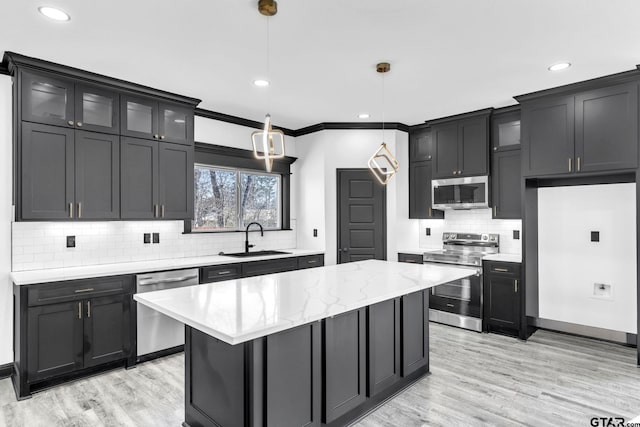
(161, 353)
(6, 370)
(585, 331)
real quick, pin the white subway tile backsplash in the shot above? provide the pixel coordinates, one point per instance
(37, 245)
(475, 221)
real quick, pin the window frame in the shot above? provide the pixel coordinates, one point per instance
(239, 215)
(231, 157)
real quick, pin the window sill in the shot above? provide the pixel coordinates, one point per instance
(235, 231)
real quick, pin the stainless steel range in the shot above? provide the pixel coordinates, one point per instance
(459, 303)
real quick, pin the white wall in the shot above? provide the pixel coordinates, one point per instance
(321, 154)
(6, 294)
(474, 221)
(570, 264)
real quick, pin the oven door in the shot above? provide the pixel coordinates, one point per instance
(463, 296)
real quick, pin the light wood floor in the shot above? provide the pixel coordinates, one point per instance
(477, 379)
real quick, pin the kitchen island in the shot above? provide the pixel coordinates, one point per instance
(313, 347)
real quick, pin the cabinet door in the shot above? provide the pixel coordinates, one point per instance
(138, 178)
(345, 363)
(415, 331)
(176, 181)
(607, 129)
(107, 329)
(175, 124)
(97, 109)
(97, 175)
(505, 131)
(547, 136)
(420, 191)
(47, 168)
(54, 340)
(47, 99)
(445, 142)
(502, 301)
(473, 148)
(383, 334)
(420, 145)
(506, 180)
(139, 117)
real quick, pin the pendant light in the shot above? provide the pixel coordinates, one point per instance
(268, 143)
(382, 163)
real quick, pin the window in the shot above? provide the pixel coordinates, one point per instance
(229, 199)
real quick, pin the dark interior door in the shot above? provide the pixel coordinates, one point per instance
(361, 216)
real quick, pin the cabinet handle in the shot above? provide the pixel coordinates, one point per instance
(455, 172)
(222, 273)
(429, 157)
(70, 210)
(313, 261)
(495, 148)
(515, 286)
(79, 310)
(578, 164)
(156, 136)
(79, 124)
(79, 291)
(430, 213)
(161, 136)
(162, 211)
(155, 211)
(410, 260)
(570, 161)
(79, 209)
(495, 211)
(502, 270)
(459, 172)
(70, 122)
(449, 305)
(88, 308)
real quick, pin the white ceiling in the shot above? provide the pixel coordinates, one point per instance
(447, 56)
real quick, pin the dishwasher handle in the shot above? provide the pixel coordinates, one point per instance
(150, 282)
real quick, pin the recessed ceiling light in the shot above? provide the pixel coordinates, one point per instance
(559, 66)
(54, 13)
(363, 116)
(261, 83)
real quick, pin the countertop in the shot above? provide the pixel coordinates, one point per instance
(102, 270)
(503, 257)
(240, 310)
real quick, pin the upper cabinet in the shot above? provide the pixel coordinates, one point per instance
(505, 130)
(584, 131)
(150, 119)
(420, 171)
(57, 101)
(506, 175)
(69, 151)
(461, 145)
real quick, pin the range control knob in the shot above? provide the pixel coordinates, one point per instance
(452, 236)
(485, 237)
(493, 238)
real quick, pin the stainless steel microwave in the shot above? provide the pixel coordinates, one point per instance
(460, 193)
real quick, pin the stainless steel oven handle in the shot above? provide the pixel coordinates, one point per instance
(173, 280)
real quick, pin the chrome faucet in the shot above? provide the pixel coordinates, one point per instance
(246, 240)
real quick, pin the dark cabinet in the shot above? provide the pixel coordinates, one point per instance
(410, 258)
(505, 130)
(590, 131)
(420, 171)
(157, 180)
(63, 328)
(383, 335)
(257, 268)
(49, 99)
(503, 296)
(147, 118)
(344, 363)
(415, 332)
(506, 183)
(69, 174)
(461, 145)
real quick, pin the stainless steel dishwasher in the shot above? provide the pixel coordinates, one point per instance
(155, 330)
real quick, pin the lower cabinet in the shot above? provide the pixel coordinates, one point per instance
(63, 329)
(503, 298)
(383, 325)
(410, 258)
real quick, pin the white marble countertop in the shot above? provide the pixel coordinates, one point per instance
(101, 270)
(236, 311)
(503, 257)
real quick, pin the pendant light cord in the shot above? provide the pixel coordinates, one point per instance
(268, 67)
(383, 107)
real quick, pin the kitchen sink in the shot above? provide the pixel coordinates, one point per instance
(256, 253)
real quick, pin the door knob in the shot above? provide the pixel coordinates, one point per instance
(345, 249)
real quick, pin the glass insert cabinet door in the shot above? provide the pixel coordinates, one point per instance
(505, 134)
(46, 99)
(175, 124)
(139, 117)
(97, 109)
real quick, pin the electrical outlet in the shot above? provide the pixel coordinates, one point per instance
(147, 238)
(71, 241)
(516, 234)
(595, 236)
(428, 231)
(315, 232)
(156, 237)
